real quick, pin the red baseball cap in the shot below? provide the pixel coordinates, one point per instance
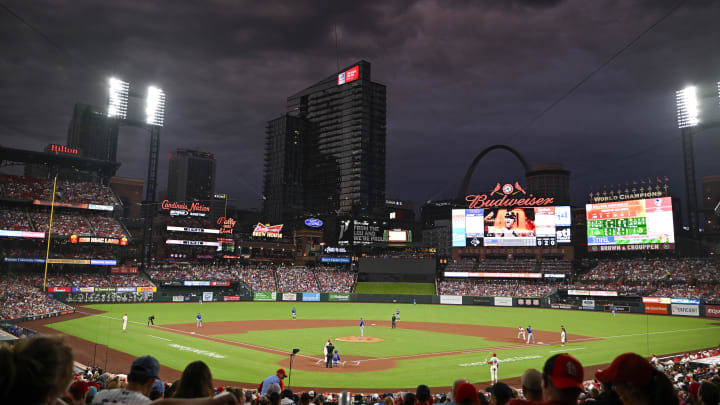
(565, 371)
(78, 389)
(466, 391)
(281, 371)
(627, 367)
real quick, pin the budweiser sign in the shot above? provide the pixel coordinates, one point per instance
(226, 224)
(268, 231)
(509, 196)
(194, 207)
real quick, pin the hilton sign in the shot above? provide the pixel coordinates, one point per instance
(507, 193)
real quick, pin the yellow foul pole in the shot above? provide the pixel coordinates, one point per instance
(47, 252)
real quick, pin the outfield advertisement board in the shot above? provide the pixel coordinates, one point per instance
(503, 301)
(264, 296)
(451, 299)
(588, 305)
(712, 311)
(289, 297)
(685, 309)
(231, 298)
(653, 308)
(207, 296)
(336, 297)
(311, 297)
(178, 298)
(593, 293)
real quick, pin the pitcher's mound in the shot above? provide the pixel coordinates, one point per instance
(359, 339)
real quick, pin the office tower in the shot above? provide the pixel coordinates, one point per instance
(191, 176)
(92, 133)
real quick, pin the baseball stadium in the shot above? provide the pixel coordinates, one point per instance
(333, 293)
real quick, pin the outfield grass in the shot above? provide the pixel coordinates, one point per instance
(625, 332)
(395, 288)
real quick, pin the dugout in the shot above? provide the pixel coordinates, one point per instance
(396, 270)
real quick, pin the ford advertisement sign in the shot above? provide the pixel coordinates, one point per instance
(313, 222)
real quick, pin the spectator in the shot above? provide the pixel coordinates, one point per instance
(531, 381)
(35, 371)
(562, 381)
(466, 394)
(409, 399)
(423, 395)
(195, 382)
(277, 378)
(501, 393)
(637, 382)
(709, 394)
(455, 386)
(78, 392)
(143, 372)
(286, 397)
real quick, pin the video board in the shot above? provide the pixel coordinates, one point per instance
(524, 226)
(630, 225)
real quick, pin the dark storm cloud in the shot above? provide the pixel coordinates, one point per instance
(461, 76)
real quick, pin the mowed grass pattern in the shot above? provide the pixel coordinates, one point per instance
(395, 288)
(622, 333)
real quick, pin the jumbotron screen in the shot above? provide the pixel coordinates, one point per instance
(527, 226)
(632, 224)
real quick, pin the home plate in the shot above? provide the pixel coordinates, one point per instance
(373, 324)
(192, 333)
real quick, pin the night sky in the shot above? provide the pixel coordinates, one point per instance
(460, 76)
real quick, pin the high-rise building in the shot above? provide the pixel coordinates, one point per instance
(93, 133)
(191, 176)
(549, 180)
(339, 167)
(285, 152)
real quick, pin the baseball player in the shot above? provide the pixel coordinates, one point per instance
(521, 333)
(563, 335)
(393, 322)
(325, 349)
(612, 309)
(198, 321)
(530, 335)
(336, 359)
(151, 320)
(294, 314)
(397, 313)
(362, 327)
(124, 322)
(493, 362)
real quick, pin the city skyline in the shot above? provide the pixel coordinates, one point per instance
(459, 78)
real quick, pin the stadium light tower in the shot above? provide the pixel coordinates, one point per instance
(688, 117)
(155, 109)
(118, 94)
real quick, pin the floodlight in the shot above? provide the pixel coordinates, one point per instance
(688, 110)
(155, 110)
(118, 91)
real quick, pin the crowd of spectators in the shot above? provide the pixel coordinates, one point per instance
(629, 379)
(335, 280)
(63, 224)
(106, 227)
(14, 220)
(296, 279)
(19, 299)
(495, 287)
(82, 279)
(32, 188)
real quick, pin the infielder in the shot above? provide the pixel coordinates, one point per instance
(563, 335)
(397, 313)
(151, 320)
(124, 322)
(362, 327)
(521, 333)
(612, 309)
(198, 321)
(530, 335)
(493, 362)
(294, 314)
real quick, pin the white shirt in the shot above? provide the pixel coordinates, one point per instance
(124, 318)
(494, 362)
(120, 396)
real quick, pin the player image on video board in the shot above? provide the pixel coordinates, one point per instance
(510, 223)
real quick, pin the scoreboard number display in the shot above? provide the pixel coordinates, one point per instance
(633, 222)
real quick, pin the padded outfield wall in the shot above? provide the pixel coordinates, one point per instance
(397, 270)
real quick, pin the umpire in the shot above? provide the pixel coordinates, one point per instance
(329, 355)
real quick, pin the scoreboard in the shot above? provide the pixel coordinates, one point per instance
(630, 225)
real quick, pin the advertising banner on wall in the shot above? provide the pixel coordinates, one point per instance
(231, 298)
(311, 297)
(104, 289)
(336, 297)
(127, 289)
(451, 299)
(264, 296)
(178, 298)
(712, 311)
(325, 259)
(588, 305)
(147, 289)
(482, 300)
(207, 296)
(59, 289)
(123, 270)
(652, 308)
(503, 301)
(685, 309)
(289, 297)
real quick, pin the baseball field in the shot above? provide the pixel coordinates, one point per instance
(244, 342)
